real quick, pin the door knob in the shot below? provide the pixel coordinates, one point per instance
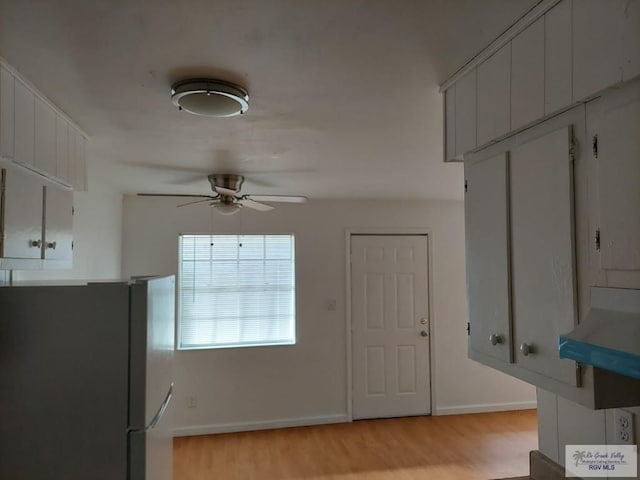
(495, 339)
(424, 333)
(526, 349)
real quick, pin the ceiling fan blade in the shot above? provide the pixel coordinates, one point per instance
(255, 205)
(173, 195)
(226, 191)
(197, 201)
(278, 198)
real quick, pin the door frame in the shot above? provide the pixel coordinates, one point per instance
(399, 231)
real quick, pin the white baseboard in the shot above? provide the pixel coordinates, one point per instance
(261, 425)
(484, 408)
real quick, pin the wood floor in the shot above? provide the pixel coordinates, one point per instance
(458, 447)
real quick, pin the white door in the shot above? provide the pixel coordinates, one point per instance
(390, 323)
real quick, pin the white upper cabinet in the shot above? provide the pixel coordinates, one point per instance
(487, 243)
(527, 75)
(45, 137)
(494, 93)
(618, 174)
(24, 119)
(22, 220)
(77, 160)
(450, 123)
(631, 41)
(597, 41)
(465, 113)
(62, 149)
(6, 112)
(58, 222)
(557, 57)
(542, 262)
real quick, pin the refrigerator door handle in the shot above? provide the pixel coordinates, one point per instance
(156, 418)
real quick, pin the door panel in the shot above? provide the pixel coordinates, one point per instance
(389, 288)
(487, 238)
(24, 127)
(557, 57)
(542, 245)
(494, 95)
(22, 214)
(527, 75)
(58, 223)
(618, 167)
(45, 137)
(6, 113)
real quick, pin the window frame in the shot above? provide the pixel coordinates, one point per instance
(178, 303)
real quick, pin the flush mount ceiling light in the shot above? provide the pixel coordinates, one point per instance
(209, 97)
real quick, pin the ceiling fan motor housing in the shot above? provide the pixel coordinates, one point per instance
(226, 180)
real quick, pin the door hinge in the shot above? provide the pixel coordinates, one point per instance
(468, 328)
(596, 239)
(466, 186)
(594, 146)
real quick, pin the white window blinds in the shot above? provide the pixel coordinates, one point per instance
(236, 290)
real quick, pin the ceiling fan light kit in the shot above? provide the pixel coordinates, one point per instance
(210, 97)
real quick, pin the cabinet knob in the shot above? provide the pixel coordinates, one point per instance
(51, 245)
(526, 349)
(495, 339)
(35, 243)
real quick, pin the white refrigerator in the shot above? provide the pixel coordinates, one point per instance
(86, 380)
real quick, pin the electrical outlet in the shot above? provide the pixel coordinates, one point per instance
(192, 401)
(624, 427)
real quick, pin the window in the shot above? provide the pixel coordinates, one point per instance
(236, 291)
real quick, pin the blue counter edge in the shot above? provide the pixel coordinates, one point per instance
(616, 361)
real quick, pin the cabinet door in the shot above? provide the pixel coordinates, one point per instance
(618, 167)
(24, 124)
(597, 32)
(58, 223)
(487, 239)
(542, 246)
(527, 75)
(62, 149)
(494, 92)
(22, 206)
(6, 113)
(557, 57)
(465, 115)
(450, 123)
(77, 160)
(631, 41)
(45, 137)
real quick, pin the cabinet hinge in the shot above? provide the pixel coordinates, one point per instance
(73, 211)
(466, 186)
(596, 239)
(468, 328)
(594, 146)
(572, 150)
(578, 374)
(72, 245)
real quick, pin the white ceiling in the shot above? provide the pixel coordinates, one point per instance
(344, 93)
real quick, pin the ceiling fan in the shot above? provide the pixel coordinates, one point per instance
(227, 199)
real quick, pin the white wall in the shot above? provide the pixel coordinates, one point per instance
(306, 383)
(97, 237)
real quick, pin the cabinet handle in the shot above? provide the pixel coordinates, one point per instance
(51, 245)
(495, 339)
(527, 349)
(35, 243)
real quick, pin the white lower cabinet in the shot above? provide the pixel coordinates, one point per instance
(528, 263)
(36, 222)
